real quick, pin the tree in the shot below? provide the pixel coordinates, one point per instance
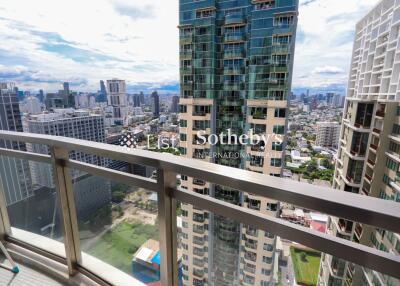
(325, 163)
(117, 196)
(312, 166)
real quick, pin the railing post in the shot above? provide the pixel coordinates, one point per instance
(168, 231)
(5, 227)
(65, 193)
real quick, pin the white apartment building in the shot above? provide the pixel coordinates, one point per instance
(90, 192)
(368, 156)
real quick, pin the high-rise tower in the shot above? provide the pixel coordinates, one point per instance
(155, 104)
(236, 64)
(116, 96)
(14, 173)
(369, 148)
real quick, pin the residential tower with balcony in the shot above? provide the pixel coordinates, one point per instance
(369, 148)
(235, 72)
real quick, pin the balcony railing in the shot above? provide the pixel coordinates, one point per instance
(366, 210)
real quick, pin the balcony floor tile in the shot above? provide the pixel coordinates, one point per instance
(26, 277)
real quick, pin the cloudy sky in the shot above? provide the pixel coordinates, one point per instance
(46, 42)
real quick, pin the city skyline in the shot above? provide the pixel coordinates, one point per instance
(249, 169)
(110, 46)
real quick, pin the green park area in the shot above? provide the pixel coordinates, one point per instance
(117, 245)
(306, 266)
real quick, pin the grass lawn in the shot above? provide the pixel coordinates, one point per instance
(117, 246)
(306, 265)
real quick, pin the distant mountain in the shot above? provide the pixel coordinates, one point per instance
(172, 87)
(336, 88)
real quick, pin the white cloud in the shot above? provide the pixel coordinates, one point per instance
(138, 40)
(145, 48)
(325, 40)
(328, 70)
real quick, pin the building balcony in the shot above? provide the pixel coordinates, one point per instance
(234, 85)
(186, 54)
(232, 54)
(373, 146)
(368, 177)
(376, 130)
(236, 37)
(248, 269)
(234, 19)
(362, 126)
(69, 252)
(234, 70)
(186, 70)
(186, 38)
(250, 245)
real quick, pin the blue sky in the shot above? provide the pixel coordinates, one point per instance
(46, 42)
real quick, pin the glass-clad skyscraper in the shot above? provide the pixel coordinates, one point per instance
(236, 59)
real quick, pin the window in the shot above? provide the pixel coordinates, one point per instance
(284, 20)
(257, 161)
(282, 40)
(398, 246)
(267, 260)
(182, 150)
(392, 165)
(386, 179)
(182, 137)
(268, 247)
(258, 128)
(183, 123)
(276, 162)
(258, 112)
(277, 146)
(280, 112)
(279, 129)
(364, 115)
(265, 272)
(265, 5)
(182, 108)
(202, 31)
(204, 13)
(201, 124)
(186, 64)
(201, 110)
(396, 129)
(268, 234)
(394, 147)
(187, 15)
(272, 207)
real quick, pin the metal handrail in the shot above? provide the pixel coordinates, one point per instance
(363, 209)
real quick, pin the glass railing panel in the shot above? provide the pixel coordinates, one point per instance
(118, 224)
(228, 252)
(32, 201)
(225, 252)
